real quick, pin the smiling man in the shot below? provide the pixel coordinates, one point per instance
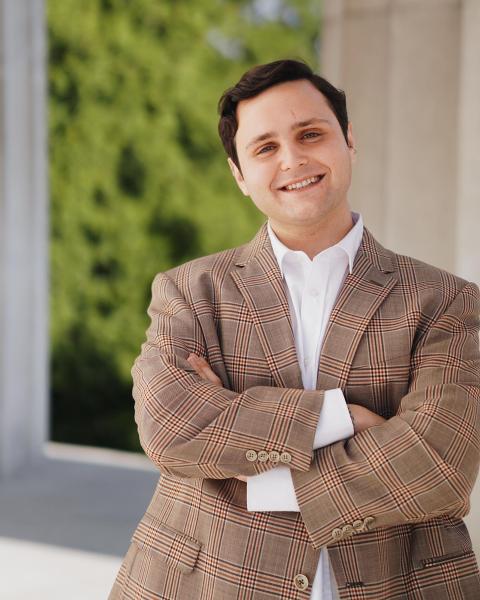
(311, 398)
(297, 171)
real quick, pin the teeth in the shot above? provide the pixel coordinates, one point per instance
(302, 184)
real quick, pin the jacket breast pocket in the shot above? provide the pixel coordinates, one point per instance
(166, 543)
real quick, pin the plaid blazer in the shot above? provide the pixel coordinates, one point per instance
(388, 502)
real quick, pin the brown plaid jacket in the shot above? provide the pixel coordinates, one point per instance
(388, 502)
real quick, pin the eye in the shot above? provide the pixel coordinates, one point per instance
(264, 148)
(314, 133)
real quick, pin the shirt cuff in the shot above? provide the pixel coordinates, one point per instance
(272, 490)
(334, 422)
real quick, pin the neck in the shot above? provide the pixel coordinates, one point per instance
(315, 238)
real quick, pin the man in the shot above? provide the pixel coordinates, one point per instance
(311, 398)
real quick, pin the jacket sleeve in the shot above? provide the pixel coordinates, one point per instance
(422, 462)
(193, 428)
(273, 490)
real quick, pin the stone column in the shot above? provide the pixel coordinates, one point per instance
(409, 68)
(355, 38)
(467, 262)
(23, 235)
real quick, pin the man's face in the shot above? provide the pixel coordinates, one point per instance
(301, 139)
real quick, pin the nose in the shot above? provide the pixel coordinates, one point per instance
(291, 157)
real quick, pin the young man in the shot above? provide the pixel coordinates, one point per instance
(310, 398)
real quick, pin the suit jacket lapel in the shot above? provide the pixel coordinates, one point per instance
(260, 282)
(363, 291)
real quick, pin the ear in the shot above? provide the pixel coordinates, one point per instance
(351, 143)
(238, 177)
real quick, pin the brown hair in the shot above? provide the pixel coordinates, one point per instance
(260, 78)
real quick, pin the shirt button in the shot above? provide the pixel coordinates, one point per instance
(262, 455)
(274, 456)
(301, 581)
(313, 292)
(285, 457)
(251, 455)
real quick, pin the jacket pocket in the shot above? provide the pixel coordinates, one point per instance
(163, 541)
(435, 560)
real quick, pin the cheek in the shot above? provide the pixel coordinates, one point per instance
(341, 166)
(333, 153)
(260, 178)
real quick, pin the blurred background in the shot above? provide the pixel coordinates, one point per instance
(112, 170)
(139, 180)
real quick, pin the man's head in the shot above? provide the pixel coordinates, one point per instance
(282, 124)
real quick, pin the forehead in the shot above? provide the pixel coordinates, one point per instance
(279, 106)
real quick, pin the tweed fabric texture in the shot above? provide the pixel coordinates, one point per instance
(388, 502)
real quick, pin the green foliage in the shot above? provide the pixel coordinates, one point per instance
(138, 176)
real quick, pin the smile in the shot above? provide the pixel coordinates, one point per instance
(305, 183)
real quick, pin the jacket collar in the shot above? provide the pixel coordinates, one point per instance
(348, 245)
(260, 245)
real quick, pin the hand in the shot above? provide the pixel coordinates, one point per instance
(202, 367)
(363, 418)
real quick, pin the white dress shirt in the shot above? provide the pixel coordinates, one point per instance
(312, 288)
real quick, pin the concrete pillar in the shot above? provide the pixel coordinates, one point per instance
(467, 262)
(23, 235)
(353, 56)
(409, 68)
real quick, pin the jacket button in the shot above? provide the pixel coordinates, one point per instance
(274, 456)
(262, 455)
(337, 534)
(347, 530)
(367, 521)
(285, 457)
(251, 455)
(301, 581)
(358, 525)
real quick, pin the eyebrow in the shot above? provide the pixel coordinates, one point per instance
(296, 125)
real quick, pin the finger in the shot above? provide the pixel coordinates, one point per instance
(193, 360)
(203, 369)
(199, 368)
(203, 364)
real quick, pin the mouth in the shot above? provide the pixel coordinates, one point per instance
(306, 184)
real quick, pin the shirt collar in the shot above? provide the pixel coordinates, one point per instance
(349, 243)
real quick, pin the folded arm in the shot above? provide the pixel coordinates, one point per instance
(194, 428)
(422, 462)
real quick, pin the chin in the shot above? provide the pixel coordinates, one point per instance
(307, 216)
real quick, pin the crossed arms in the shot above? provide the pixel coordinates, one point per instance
(274, 490)
(420, 463)
(363, 418)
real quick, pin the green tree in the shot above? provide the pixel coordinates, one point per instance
(138, 176)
